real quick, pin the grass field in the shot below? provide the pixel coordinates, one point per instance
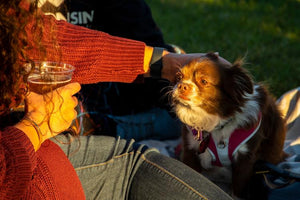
(266, 33)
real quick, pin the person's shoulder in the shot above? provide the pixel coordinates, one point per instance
(14, 140)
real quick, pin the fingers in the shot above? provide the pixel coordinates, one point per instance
(54, 111)
(70, 101)
(224, 61)
(66, 116)
(64, 91)
(67, 92)
(69, 89)
(75, 101)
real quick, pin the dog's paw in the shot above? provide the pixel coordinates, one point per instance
(206, 160)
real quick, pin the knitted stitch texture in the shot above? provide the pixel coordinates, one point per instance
(97, 56)
(25, 174)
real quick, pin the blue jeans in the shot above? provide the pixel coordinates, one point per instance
(116, 169)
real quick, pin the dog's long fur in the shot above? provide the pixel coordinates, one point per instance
(218, 98)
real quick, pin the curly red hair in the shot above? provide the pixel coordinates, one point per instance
(14, 16)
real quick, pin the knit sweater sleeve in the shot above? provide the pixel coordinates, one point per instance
(17, 162)
(97, 56)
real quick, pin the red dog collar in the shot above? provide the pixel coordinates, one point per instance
(223, 155)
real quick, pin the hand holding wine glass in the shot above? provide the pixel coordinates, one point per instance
(54, 112)
(50, 104)
(45, 117)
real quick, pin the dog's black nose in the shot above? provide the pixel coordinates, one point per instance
(183, 86)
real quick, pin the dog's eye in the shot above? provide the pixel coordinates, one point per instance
(203, 81)
(179, 76)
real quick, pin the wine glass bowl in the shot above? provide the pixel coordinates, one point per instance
(47, 76)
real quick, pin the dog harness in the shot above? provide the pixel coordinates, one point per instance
(223, 153)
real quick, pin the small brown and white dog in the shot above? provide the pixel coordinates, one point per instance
(230, 122)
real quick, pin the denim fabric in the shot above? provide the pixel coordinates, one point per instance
(116, 169)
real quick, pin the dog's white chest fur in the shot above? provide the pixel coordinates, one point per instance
(216, 151)
(223, 149)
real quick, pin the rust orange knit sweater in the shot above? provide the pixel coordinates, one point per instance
(26, 174)
(97, 56)
(47, 173)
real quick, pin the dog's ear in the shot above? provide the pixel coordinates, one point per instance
(239, 82)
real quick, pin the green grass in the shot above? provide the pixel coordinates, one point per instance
(266, 33)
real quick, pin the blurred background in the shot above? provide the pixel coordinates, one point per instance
(266, 33)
